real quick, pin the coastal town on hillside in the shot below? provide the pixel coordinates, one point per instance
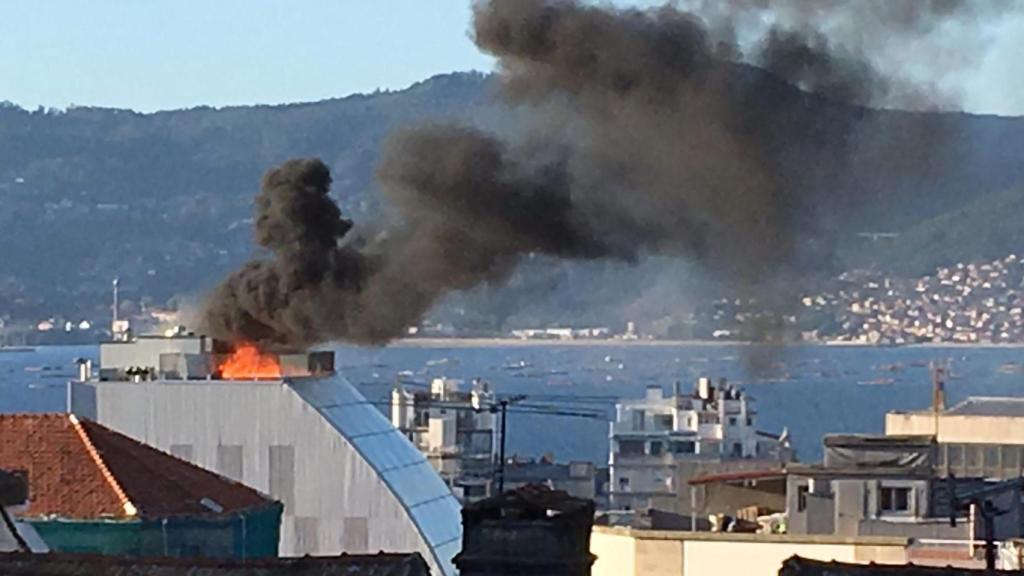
(965, 303)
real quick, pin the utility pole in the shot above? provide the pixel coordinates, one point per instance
(501, 450)
(502, 407)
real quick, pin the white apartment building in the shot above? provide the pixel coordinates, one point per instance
(657, 442)
(455, 429)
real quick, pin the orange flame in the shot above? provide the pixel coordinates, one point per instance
(248, 363)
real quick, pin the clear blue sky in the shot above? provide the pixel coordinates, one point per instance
(161, 54)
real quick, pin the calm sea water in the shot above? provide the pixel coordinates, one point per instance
(812, 390)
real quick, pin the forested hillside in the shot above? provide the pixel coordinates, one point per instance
(163, 200)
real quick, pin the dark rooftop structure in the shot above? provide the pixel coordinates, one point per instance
(870, 451)
(23, 564)
(797, 566)
(531, 531)
(13, 489)
(13, 492)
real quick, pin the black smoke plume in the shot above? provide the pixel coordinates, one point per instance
(654, 136)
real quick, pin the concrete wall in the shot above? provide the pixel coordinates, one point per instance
(334, 500)
(145, 352)
(719, 498)
(957, 428)
(626, 552)
(850, 504)
(820, 515)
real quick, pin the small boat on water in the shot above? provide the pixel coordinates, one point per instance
(517, 365)
(1010, 368)
(16, 349)
(894, 367)
(877, 382)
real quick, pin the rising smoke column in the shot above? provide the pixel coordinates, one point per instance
(653, 140)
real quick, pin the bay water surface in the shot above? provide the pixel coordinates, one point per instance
(811, 390)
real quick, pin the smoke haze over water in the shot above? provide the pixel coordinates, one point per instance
(652, 138)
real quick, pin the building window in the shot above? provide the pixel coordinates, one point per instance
(801, 498)
(656, 448)
(956, 456)
(1011, 457)
(750, 421)
(991, 455)
(229, 461)
(638, 420)
(737, 449)
(973, 455)
(282, 476)
(663, 422)
(683, 448)
(707, 418)
(732, 420)
(422, 419)
(894, 499)
(623, 484)
(631, 447)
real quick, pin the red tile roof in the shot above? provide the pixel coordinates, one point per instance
(81, 470)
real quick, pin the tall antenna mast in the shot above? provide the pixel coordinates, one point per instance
(117, 283)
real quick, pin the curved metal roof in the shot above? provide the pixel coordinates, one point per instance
(419, 489)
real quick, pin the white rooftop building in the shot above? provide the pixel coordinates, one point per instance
(454, 429)
(652, 438)
(350, 482)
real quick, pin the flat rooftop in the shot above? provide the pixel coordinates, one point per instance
(1001, 406)
(989, 406)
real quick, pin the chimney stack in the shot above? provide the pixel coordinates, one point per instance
(531, 531)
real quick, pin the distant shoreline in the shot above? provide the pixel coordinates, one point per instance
(528, 343)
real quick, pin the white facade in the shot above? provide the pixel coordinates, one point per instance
(651, 436)
(350, 482)
(455, 430)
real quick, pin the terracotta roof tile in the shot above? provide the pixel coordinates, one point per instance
(63, 478)
(80, 469)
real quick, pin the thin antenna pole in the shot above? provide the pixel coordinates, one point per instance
(501, 450)
(116, 283)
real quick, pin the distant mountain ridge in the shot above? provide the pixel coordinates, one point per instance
(162, 200)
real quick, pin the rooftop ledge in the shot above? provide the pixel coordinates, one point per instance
(646, 534)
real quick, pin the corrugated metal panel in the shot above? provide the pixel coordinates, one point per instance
(417, 486)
